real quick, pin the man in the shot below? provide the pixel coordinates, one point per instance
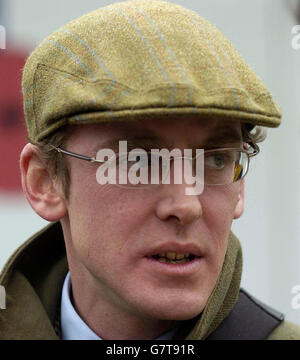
(125, 260)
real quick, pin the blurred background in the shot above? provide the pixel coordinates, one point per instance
(262, 31)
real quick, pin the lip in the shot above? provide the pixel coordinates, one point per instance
(169, 269)
(186, 269)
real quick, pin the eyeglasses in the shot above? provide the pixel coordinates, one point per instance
(144, 169)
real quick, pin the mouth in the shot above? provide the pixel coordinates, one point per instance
(171, 257)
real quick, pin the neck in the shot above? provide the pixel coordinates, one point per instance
(106, 318)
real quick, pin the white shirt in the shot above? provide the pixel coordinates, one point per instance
(73, 327)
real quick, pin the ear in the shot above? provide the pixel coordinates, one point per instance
(42, 189)
(239, 209)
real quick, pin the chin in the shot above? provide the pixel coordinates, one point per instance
(178, 310)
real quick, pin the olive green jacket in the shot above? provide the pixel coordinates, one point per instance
(34, 275)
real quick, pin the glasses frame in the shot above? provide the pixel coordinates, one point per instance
(255, 151)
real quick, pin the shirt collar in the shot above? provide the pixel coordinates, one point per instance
(74, 328)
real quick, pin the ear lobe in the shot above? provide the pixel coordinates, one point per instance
(39, 185)
(239, 209)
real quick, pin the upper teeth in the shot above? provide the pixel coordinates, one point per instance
(173, 255)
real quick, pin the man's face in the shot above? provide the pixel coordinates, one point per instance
(112, 233)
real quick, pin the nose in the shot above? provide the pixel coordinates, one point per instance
(175, 204)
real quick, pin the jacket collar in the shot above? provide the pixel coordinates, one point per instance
(33, 278)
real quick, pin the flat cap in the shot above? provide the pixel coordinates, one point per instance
(136, 59)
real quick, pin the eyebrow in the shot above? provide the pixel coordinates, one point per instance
(147, 142)
(224, 137)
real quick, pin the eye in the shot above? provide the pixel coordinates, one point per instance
(218, 160)
(214, 161)
(142, 159)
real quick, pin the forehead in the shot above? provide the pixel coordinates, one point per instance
(166, 131)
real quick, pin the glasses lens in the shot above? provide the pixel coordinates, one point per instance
(140, 169)
(223, 167)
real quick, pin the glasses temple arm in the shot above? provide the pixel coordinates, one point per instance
(70, 153)
(255, 148)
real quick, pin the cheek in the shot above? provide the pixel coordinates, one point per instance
(218, 212)
(103, 218)
(219, 204)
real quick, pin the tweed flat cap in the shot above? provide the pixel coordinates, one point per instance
(136, 59)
